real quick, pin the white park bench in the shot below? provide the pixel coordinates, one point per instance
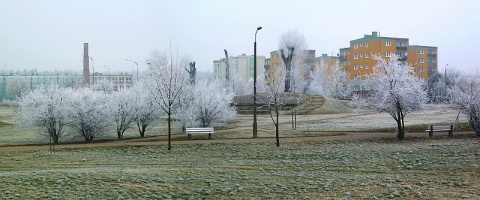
(191, 131)
(432, 129)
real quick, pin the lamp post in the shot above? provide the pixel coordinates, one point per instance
(445, 94)
(135, 64)
(255, 84)
(93, 73)
(109, 84)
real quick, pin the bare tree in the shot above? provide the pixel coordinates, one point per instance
(192, 72)
(466, 94)
(398, 92)
(144, 109)
(291, 45)
(274, 99)
(227, 69)
(165, 83)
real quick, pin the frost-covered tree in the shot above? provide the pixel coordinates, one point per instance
(46, 108)
(466, 94)
(240, 85)
(330, 81)
(275, 99)
(88, 116)
(18, 86)
(185, 111)
(212, 104)
(291, 46)
(438, 85)
(145, 111)
(166, 83)
(121, 109)
(398, 91)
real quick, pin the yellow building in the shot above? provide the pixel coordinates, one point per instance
(358, 62)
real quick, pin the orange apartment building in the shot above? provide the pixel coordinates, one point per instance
(358, 62)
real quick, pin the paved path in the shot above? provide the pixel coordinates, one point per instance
(161, 140)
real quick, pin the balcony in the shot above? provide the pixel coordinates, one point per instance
(403, 58)
(432, 55)
(404, 48)
(343, 57)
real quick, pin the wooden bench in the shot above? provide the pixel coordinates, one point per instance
(432, 129)
(191, 131)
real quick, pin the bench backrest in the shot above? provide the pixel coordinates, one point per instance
(440, 127)
(207, 129)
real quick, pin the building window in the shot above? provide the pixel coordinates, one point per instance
(421, 51)
(366, 44)
(361, 66)
(421, 69)
(388, 54)
(355, 67)
(366, 55)
(388, 43)
(422, 60)
(355, 77)
(361, 44)
(361, 55)
(355, 56)
(355, 46)
(366, 66)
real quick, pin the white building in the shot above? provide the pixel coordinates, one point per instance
(241, 65)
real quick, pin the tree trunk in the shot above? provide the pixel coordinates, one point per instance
(287, 80)
(276, 129)
(141, 129)
(400, 127)
(55, 138)
(119, 134)
(169, 128)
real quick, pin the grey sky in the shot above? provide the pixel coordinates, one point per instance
(49, 35)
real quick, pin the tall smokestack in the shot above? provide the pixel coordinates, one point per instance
(86, 65)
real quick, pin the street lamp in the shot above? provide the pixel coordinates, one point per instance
(108, 75)
(255, 84)
(135, 64)
(93, 73)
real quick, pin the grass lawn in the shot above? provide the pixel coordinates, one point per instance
(416, 168)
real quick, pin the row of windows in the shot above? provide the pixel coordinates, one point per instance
(356, 56)
(355, 67)
(355, 46)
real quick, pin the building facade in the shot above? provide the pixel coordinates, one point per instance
(98, 81)
(242, 66)
(358, 62)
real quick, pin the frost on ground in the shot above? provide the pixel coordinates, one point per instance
(361, 120)
(412, 169)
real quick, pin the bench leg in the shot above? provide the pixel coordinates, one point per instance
(450, 132)
(210, 136)
(189, 136)
(430, 133)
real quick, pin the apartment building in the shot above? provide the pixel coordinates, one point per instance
(242, 66)
(329, 62)
(357, 57)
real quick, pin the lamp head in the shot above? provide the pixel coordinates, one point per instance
(259, 28)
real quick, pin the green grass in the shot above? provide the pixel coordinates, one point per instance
(434, 169)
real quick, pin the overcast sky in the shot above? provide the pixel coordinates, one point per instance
(48, 35)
